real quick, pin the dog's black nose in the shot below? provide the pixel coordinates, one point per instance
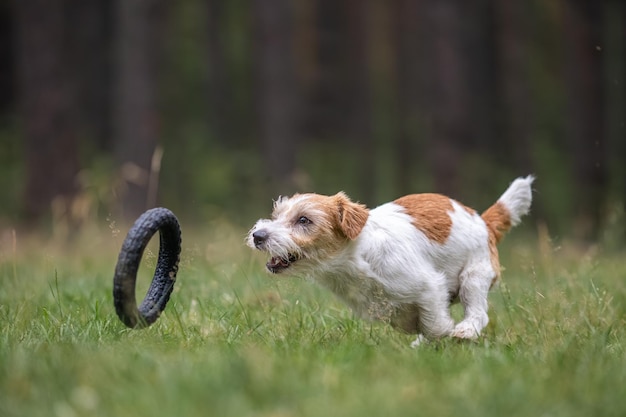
(259, 237)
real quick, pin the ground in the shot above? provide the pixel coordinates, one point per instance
(236, 341)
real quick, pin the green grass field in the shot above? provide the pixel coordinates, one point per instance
(235, 341)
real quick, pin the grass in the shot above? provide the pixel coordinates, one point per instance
(234, 341)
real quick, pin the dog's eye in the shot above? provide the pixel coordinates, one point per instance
(303, 220)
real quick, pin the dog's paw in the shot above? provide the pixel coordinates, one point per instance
(465, 330)
(418, 341)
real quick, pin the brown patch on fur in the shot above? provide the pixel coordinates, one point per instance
(324, 235)
(498, 222)
(495, 259)
(430, 214)
(334, 218)
(352, 216)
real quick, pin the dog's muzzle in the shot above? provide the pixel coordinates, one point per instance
(276, 264)
(259, 238)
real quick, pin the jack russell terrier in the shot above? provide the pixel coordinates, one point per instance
(404, 262)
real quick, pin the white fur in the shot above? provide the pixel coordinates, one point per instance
(517, 198)
(392, 271)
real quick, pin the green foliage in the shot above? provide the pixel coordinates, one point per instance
(557, 188)
(235, 342)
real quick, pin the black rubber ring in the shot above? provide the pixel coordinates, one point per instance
(124, 281)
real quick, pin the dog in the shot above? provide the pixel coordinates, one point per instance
(404, 262)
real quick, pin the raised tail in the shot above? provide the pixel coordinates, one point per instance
(510, 207)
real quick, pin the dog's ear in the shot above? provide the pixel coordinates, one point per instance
(352, 216)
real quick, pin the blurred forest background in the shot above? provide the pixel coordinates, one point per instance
(212, 108)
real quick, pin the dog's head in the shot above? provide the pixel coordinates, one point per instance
(306, 229)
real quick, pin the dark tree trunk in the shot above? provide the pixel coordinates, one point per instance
(220, 84)
(136, 113)
(511, 19)
(7, 53)
(340, 97)
(407, 39)
(620, 124)
(47, 106)
(90, 61)
(446, 95)
(615, 86)
(359, 113)
(479, 58)
(584, 119)
(327, 97)
(276, 90)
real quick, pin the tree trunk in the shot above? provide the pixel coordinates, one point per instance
(328, 99)
(615, 87)
(407, 40)
(446, 100)
(276, 90)
(220, 88)
(359, 92)
(584, 119)
(7, 52)
(90, 62)
(47, 106)
(514, 111)
(136, 113)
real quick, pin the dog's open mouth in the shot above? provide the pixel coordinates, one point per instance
(278, 264)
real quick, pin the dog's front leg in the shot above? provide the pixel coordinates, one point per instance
(434, 312)
(418, 341)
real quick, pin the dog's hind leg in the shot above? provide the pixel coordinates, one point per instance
(475, 282)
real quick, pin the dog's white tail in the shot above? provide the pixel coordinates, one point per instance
(510, 207)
